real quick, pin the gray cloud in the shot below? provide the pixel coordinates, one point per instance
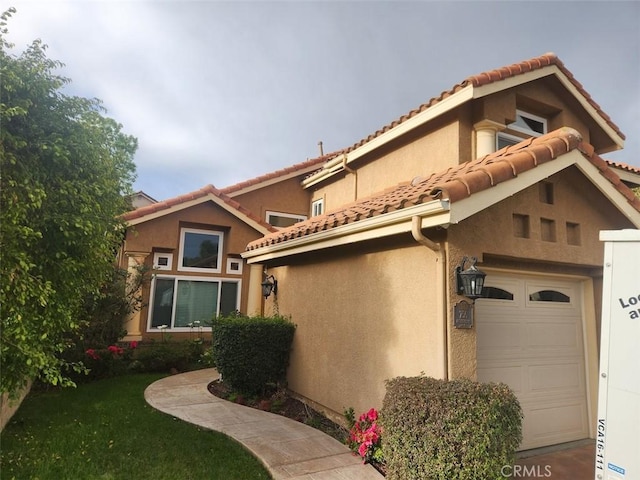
(218, 92)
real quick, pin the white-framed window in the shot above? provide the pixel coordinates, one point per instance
(527, 123)
(234, 266)
(162, 261)
(182, 302)
(283, 220)
(200, 250)
(317, 207)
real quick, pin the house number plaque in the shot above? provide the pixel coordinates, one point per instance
(462, 315)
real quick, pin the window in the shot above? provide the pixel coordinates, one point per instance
(234, 266)
(162, 261)
(549, 296)
(200, 250)
(317, 207)
(282, 220)
(527, 123)
(179, 302)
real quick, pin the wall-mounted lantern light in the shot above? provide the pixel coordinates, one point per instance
(469, 282)
(270, 285)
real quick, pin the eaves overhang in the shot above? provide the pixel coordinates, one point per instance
(431, 214)
(188, 204)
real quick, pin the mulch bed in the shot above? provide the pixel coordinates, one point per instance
(278, 401)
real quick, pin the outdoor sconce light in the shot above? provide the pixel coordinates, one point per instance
(469, 282)
(270, 285)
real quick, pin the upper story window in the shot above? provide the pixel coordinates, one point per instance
(317, 207)
(527, 123)
(282, 220)
(200, 250)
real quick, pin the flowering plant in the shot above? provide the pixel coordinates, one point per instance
(365, 436)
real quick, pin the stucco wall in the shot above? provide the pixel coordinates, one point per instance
(287, 196)
(361, 319)
(163, 234)
(429, 149)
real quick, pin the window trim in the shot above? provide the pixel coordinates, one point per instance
(240, 263)
(176, 279)
(183, 232)
(269, 213)
(157, 256)
(317, 207)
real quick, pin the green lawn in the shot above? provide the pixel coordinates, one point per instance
(105, 430)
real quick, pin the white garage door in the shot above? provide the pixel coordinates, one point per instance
(529, 336)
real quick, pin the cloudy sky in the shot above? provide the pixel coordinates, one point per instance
(219, 92)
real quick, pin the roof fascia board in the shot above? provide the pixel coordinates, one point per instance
(467, 207)
(271, 181)
(609, 191)
(197, 201)
(433, 213)
(479, 201)
(511, 82)
(439, 108)
(626, 175)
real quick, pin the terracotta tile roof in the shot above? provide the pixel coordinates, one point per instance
(456, 183)
(492, 76)
(298, 167)
(624, 166)
(188, 197)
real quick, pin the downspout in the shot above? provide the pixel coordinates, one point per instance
(441, 280)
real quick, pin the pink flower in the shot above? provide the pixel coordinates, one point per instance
(133, 345)
(362, 450)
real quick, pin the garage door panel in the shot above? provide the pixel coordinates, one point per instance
(553, 336)
(511, 375)
(534, 344)
(553, 422)
(550, 378)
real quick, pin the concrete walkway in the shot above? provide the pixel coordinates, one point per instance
(288, 449)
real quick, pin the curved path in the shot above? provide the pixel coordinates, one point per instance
(288, 449)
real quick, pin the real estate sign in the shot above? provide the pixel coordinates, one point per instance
(618, 429)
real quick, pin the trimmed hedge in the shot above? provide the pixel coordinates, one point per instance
(449, 430)
(252, 352)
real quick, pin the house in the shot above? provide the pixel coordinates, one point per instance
(506, 167)
(192, 244)
(140, 199)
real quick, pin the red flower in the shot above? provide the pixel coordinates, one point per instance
(115, 350)
(92, 353)
(133, 345)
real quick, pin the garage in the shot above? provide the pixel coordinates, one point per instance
(530, 336)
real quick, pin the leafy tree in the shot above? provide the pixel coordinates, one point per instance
(64, 169)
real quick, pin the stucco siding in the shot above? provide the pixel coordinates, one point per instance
(361, 319)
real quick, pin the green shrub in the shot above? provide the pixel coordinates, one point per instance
(449, 430)
(165, 356)
(252, 352)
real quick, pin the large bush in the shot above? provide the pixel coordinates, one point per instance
(65, 169)
(449, 430)
(252, 352)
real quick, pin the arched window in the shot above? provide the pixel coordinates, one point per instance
(549, 296)
(496, 293)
